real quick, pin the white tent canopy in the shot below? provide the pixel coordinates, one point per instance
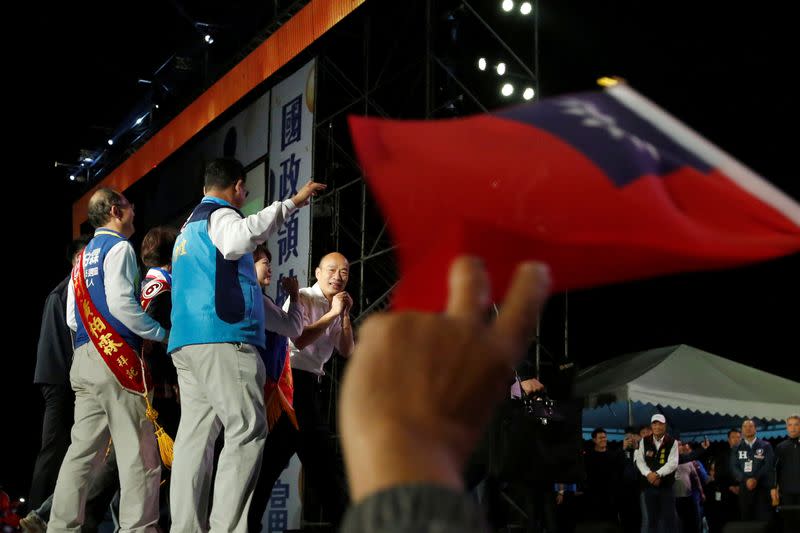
(698, 389)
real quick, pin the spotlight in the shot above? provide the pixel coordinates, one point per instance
(525, 8)
(482, 63)
(87, 159)
(72, 177)
(507, 90)
(209, 39)
(501, 69)
(508, 5)
(111, 142)
(528, 93)
(139, 120)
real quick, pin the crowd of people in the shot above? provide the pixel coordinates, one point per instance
(657, 483)
(200, 343)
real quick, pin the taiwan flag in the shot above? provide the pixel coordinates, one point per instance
(604, 187)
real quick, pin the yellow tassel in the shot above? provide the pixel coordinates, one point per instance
(165, 442)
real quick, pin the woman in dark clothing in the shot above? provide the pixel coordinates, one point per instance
(157, 302)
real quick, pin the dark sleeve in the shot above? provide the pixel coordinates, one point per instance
(54, 350)
(155, 353)
(736, 469)
(160, 309)
(766, 474)
(525, 370)
(415, 509)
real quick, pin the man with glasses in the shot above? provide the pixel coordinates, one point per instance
(107, 377)
(217, 328)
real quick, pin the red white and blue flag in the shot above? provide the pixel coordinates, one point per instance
(604, 187)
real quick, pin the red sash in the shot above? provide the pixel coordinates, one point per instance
(119, 357)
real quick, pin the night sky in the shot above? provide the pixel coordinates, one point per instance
(724, 71)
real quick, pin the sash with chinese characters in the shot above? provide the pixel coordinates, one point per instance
(120, 358)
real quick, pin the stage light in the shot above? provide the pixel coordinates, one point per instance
(111, 142)
(482, 63)
(507, 90)
(508, 5)
(528, 93)
(501, 69)
(209, 39)
(525, 8)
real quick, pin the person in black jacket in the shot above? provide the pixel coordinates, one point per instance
(753, 467)
(722, 496)
(53, 361)
(787, 466)
(630, 512)
(156, 255)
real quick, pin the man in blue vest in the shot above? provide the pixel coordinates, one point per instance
(104, 406)
(657, 460)
(217, 330)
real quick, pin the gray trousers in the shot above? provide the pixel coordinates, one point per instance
(103, 411)
(222, 385)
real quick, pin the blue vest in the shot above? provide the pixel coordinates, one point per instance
(214, 300)
(94, 256)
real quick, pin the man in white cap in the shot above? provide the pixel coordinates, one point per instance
(657, 460)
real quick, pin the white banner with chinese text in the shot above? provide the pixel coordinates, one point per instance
(291, 152)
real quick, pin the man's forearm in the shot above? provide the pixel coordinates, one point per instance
(314, 331)
(346, 343)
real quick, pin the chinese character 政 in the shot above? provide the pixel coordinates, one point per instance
(290, 173)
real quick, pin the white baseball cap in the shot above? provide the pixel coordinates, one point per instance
(658, 418)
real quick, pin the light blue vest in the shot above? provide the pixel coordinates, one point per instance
(93, 257)
(214, 300)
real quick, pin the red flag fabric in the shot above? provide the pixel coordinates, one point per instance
(279, 395)
(604, 187)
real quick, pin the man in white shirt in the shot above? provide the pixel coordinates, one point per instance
(108, 300)
(326, 326)
(657, 459)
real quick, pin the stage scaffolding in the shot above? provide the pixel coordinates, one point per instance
(407, 60)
